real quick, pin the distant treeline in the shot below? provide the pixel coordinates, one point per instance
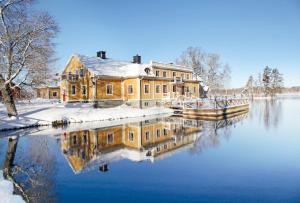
(269, 83)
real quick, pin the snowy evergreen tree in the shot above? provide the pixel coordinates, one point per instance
(276, 81)
(266, 79)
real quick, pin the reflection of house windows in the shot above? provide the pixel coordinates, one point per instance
(165, 146)
(157, 89)
(157, 133)
(85, 137)
(158, 149)
(109, 89)
(165, 132)
(54, 94)
(130, 136)
(110, 138)
(147, 89)
(74, 139)
(130, 89)
(73, 89)
(147, 135)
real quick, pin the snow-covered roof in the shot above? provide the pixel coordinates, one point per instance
(171, 66)
(111, 67)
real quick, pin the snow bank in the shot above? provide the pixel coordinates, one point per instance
(6, 191)
(37, 114)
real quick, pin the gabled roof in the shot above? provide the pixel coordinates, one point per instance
(112, 67)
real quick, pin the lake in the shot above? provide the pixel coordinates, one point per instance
(254, 157)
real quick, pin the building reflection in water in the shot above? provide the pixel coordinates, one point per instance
(147, 140)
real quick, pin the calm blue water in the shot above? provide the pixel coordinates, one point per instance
(254, 157)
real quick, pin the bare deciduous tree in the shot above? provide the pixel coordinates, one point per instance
(207, 66)
(26, 47)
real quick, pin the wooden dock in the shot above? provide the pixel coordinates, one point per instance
(216, 110)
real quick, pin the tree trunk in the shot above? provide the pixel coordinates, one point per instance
(10, 156)
(8, 100)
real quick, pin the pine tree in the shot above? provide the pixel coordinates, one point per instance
(267, 81)
(276, 81)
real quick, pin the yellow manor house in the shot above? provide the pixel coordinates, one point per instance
(109, 82)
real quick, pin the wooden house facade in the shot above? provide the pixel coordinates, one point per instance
(109, 82)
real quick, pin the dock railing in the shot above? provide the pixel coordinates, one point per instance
(215, 102)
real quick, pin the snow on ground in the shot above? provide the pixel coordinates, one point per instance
(41, 112)
(6, 191)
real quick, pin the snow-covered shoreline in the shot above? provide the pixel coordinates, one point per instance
(39, 113)
(6, 191)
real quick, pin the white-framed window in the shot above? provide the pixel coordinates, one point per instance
(157, 89)
(54, 94)
(194, 89)
(109, 89)
(70, 75)
(174, 88)
(83, 90)
(110, 138)
(130, 136)
(147, 135)
(174, 74)
(73, 89)
(147, 88)
(165, 132)
(130, 89)
(182, 75)
(165, 89)
(81, 72)
(146, 104)
(187, 76)
(165, 74)
(158, 133)
(157, 73)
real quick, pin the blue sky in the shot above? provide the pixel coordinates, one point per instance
(247, 34)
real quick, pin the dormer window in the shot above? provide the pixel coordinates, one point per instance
(164, 74)
(157, 73)
(174, 74)
(147, 70)
(187, 76)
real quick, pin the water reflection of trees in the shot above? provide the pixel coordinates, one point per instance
(213, 131)
(31, 167)
(268, 111)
